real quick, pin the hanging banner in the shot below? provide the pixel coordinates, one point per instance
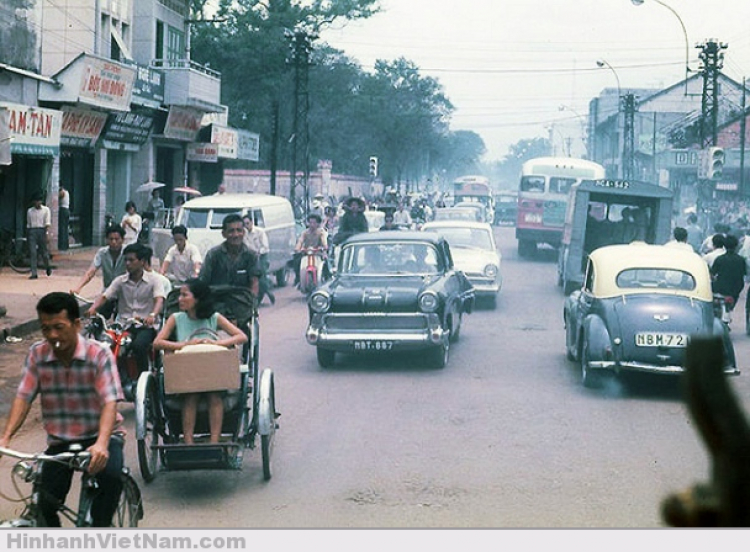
(226, 139)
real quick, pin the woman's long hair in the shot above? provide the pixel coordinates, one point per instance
(204, 305)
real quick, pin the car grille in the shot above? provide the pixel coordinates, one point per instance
(377, 322)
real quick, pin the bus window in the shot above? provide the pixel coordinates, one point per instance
(560, 185)
(532, 184)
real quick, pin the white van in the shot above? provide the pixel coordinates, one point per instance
(203, 217)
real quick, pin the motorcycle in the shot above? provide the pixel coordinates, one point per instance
(311, 268)
(118, 335)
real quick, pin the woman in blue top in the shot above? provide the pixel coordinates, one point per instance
(197, 316)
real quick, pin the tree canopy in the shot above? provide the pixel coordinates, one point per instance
(393, 112)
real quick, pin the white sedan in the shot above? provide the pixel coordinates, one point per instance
(474, 252)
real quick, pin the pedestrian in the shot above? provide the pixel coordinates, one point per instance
(147, 222)
(131, 223)
(695, 233)
(717, 249)
(183, 260)
(728, 272)
(156, 203)
(79, 387)
(38, 223)
(256, 241)
(110, 260)
(63, 237)
(680, 237)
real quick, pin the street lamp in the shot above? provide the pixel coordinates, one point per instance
(684, 32)
(604, 63)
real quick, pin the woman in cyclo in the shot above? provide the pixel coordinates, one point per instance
(195, 317)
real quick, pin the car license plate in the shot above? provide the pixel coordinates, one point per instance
(661, 339)
(372, 345)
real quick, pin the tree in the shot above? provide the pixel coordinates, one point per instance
(509, 168)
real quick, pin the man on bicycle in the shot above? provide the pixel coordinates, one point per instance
(79, 387)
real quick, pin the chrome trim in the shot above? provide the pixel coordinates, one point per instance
(648, 368)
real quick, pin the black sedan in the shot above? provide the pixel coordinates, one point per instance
(393, 291)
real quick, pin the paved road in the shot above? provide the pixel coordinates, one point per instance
(504, 436)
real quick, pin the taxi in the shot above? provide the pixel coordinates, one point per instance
(637, 310)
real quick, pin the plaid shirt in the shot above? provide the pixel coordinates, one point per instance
(72, 398)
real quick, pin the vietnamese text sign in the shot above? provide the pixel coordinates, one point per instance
(107, 84)
(80, 127)
(128, 128)
(183, 123)
(248, 145)
(202, 152)
(34, 130)
(226, 139)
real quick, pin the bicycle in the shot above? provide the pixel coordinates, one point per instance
(14, 252)
(28, 468)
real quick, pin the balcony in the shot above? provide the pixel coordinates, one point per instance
(189, 84)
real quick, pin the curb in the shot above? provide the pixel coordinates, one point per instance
(20, 329)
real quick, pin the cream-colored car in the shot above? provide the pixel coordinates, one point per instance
(474, 252)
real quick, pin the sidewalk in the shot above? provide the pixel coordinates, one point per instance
(19, 295)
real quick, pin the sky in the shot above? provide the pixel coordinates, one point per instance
(521, 69)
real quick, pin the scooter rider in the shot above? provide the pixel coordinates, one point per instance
(313, 237)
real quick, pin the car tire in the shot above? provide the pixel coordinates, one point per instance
(591, 379)
(326, 357)
(456, 327)
(438, 356)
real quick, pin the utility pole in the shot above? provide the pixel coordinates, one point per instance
(628, 131)
(712, 61)
(301, 45)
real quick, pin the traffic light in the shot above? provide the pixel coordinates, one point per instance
(715, 163)
(373, 167)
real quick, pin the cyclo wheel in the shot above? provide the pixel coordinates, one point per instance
(267, 420)
(147, 424)
(130, 507)
(18, 260)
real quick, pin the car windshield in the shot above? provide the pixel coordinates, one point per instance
(199, 218)
(657, 278)
(380, 259)
(475, 238)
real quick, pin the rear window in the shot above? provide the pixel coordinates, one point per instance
(655, 278)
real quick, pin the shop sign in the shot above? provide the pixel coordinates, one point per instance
(183, 123)
(107, 84)
(202, 152)
(81, 128)
(148, 89)
(226, 140)
(128, 128)
(33, 130)
(248, 145)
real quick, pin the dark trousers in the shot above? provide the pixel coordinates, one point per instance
(38, 247)
(141, 346)
(264, 284)
(63, 239)
(56, 481)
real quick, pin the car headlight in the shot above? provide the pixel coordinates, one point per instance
(428, 301)
(320, 301)
(490, 271)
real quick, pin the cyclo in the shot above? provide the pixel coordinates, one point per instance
(249, 402)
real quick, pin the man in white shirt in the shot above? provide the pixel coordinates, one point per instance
(402, 217)
(38, 222)
(183, 260)
(717, 241)
(680, 235)
(63, 215)
(256, 241)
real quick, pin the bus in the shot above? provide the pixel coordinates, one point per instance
(542, 198)
(475, 189)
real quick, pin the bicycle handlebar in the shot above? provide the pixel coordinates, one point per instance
(77, 460)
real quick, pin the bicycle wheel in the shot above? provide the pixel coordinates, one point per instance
(147, 425)
(130, 507)
(19, 263)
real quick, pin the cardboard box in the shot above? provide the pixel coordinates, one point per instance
(205, 368)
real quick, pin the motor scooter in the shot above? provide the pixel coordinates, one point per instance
(311, 268)
(118, 335)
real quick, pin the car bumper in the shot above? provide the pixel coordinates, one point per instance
(484, 286)
(648, 368)
(370, 332)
